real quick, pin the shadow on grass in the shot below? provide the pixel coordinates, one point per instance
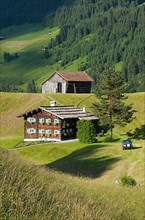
(136, 148)
(138, 134)
(84, 162)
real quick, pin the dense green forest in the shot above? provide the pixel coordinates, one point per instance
(103, 32)
(27, 11)
(97, 32)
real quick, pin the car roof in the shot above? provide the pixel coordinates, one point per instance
(127, 141)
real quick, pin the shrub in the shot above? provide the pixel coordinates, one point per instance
(86, 132)
(126, 180)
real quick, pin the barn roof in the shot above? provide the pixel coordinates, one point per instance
(63, 112)
(79, 76)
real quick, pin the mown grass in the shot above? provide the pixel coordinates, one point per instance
(106, 161)
(31, 192)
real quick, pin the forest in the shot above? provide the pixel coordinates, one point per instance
(103, 33)
(98, 32)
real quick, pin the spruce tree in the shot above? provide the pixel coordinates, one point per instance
(111, 108)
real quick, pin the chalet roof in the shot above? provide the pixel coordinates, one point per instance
(63, 112)
(79, 76)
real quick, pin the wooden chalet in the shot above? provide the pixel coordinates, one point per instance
(53, 123)
(67, 82)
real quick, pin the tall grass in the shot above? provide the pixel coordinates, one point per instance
(30, 192)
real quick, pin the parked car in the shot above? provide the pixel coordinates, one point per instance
(127, 144)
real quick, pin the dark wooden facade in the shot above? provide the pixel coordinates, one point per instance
(50, 128)
(53, 123)
(44, 129)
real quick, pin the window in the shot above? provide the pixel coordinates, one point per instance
(56, 132)
(31, 131)
(48, 132)
(41, 131)
(31, 120)
(56, 121)
(48, 121)
(41, 120)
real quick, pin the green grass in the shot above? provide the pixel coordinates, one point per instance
(13, 104)
(68, 180)
(27, 40)
(106, 161)
(31, 192)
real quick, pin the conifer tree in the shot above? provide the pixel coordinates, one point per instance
(111, 108)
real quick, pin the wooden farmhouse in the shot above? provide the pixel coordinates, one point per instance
(67, 82)
(53, 123)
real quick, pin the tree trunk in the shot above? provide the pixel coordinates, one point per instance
(111, 132)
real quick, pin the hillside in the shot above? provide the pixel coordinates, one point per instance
(15, 12)
(13, 104)
(30, 192)
(26, 40)
(90, 37)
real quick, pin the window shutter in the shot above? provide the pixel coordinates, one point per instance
(34, 131)
(48, 121)
(31, 131)
(41, 131)
(41, 120)
(48, 131)
(56, 121)
(56, 132)
(31, 120)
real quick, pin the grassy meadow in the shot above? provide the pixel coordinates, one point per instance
(30, 192)
(27, 40)
(13, 104)
(69, 180)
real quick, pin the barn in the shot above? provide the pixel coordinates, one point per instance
(67, 82)
(53, 123)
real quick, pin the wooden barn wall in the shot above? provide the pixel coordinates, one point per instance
(51, 85)
(80, 87)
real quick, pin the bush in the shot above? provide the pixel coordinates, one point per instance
(126, 180)
(86, 132)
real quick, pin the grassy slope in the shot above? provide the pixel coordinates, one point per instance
(13, 104)
(29, 192)
(27, 41)
(107, 160)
